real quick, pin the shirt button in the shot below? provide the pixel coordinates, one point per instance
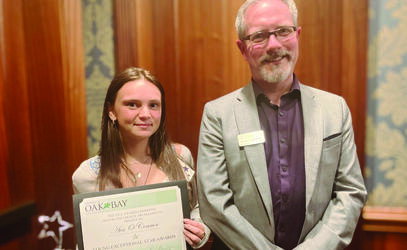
(281, 113)
(284, 168)
(282, 140)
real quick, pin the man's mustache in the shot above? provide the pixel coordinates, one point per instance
(275, 55)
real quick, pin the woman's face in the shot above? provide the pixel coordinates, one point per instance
(137, 109)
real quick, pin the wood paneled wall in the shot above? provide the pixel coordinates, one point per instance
(44, 115)
(385, 241)
(18, 152)
(5, 197)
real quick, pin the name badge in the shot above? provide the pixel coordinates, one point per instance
(251, 138)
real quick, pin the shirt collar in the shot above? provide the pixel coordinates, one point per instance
(295, 87)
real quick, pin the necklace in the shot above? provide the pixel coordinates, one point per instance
(137, 176)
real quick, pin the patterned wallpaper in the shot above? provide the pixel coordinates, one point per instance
(386, 140)
(99, 62)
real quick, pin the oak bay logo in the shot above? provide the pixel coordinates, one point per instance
(105, 205)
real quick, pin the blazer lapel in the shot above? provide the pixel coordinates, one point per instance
(247, 119)
(313, 135)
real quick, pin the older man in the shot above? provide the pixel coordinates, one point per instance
(277, 163)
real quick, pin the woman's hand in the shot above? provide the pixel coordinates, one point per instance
(193, 231)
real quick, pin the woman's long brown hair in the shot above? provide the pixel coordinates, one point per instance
(111, 149)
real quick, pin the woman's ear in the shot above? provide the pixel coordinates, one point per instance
(112, 115)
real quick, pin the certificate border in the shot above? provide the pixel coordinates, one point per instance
(78, 198)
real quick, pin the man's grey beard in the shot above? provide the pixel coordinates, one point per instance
(275, 74)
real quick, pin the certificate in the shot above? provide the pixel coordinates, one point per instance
(147, 217)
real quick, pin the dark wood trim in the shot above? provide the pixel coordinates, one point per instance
(12, 215)
(384, 219)
(16, 221)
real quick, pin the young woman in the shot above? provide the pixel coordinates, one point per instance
(135, 149)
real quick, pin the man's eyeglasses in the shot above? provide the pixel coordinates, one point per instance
(282, 34)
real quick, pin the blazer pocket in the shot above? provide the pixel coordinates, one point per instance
(332, 136)
(331, 141)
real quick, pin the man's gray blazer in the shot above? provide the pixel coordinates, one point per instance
(234, 192)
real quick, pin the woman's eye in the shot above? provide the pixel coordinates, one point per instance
(154, 105)
(132, 105)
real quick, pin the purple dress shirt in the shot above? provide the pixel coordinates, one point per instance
(283, 128)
